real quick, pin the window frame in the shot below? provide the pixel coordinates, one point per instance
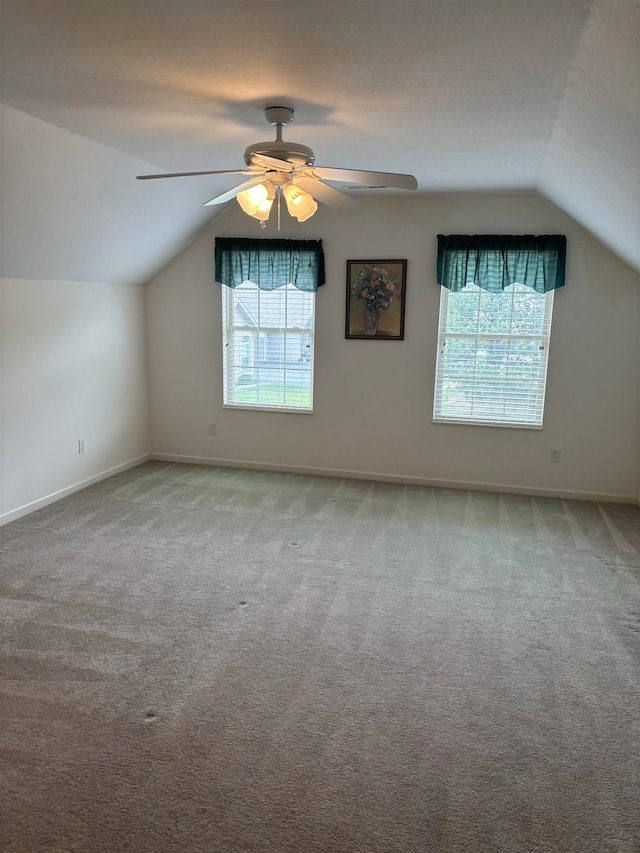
(261, 341)
(541, 381)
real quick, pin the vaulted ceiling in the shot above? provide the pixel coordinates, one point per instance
(467, 95)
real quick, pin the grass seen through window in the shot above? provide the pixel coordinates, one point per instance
(274, 395)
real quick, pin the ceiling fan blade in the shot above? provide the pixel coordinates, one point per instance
(191, 174)
(272, 162)
(355, 176)
(323, 192)
(232, 193)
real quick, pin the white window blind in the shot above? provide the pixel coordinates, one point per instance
(268, 343)
(493, 350)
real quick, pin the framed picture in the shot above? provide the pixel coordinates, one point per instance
(375, 300)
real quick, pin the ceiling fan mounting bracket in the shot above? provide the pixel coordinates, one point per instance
(278, 115)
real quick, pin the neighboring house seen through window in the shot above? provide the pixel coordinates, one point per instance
(268, 320)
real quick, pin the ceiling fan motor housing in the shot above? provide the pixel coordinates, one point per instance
(293, 152)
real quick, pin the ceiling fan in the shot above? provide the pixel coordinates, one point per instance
(286, 170)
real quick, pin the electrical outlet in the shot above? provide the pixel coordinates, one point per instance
(81, 445)
(555, 455)
(212, 429)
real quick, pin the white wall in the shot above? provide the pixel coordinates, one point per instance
(72, 366)
(72, 209)
(373, 399)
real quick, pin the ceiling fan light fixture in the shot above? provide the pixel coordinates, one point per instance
(308, 213)
(252, 199)
(257, 201)
(280, 168)
(300, 204)
(263, 211)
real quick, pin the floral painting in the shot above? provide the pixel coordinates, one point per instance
(375, 299)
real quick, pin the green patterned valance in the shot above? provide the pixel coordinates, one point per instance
(495, 261)
(270, 263)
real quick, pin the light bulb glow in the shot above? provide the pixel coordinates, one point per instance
(257, 201)
(257, 194)
(307, 213)
(263, 211)
(300, 204)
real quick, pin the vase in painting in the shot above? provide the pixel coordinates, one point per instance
(371, 319)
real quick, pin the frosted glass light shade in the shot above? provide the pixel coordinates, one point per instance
(299, 203)
(257, 201)
(263, 211)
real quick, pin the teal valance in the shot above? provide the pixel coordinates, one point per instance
(270, 263)
(495, 261)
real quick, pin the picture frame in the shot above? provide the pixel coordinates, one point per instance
(376, 295)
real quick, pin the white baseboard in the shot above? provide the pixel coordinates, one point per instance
(567, 494)
(14, 514)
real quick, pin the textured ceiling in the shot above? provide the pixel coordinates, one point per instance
(494, 95)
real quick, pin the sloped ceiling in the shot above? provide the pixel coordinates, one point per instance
(592, 167)
(487, 95)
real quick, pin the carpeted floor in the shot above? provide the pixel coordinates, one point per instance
(210, 659)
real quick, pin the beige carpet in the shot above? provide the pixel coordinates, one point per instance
(202, 659)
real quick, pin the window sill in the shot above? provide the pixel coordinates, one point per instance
(237, 407)
(486, 424)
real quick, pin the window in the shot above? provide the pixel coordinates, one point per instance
(268, 338)
(492, 356)
(495, 322)
(268, 321)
